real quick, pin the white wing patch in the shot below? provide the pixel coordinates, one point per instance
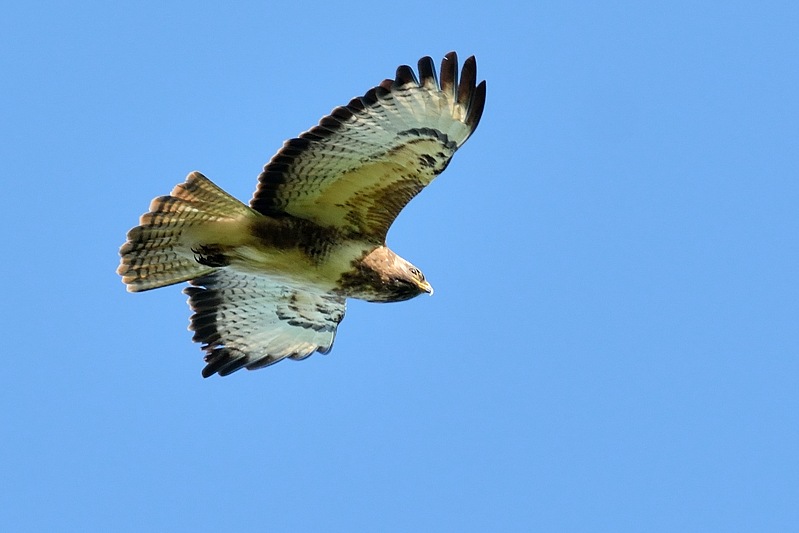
(250, 321)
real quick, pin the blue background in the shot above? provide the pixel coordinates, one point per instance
(612, 345)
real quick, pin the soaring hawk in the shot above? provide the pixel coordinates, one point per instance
(270, 281)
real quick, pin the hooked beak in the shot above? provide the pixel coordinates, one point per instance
(426, 287)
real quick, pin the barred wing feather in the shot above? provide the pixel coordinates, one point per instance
(364, 162)
(250, 321)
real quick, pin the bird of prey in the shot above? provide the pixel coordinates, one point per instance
(269, 281)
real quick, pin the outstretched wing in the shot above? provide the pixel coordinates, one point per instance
(250, 321)
(364, 162)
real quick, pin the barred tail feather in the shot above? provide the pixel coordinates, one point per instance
(157, 252)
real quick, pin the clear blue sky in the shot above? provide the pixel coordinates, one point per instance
(613, 341)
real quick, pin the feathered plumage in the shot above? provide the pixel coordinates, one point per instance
(269, 281)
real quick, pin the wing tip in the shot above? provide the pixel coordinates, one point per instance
(449, 73)
(427, 73)
(461, 84)
(224, 362)
(465, 91)
(405, 76)
(476, 105)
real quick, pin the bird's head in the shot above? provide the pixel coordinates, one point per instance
(413, 277)
(403, 281)
(383, 276)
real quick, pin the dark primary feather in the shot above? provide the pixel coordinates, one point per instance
(404, 76)
(427, 72)
(449, 73)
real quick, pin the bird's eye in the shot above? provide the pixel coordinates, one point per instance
(418, 273)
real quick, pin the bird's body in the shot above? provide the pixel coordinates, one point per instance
(270, 280)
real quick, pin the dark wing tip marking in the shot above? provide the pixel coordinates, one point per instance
(468, 81)
(356, 105)
(203, 301)
(427, 73)
(449, 73)
(375, 93)
(385, 87)
(224, 362)
(405, 75)
(476, 104)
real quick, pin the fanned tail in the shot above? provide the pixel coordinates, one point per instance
(159, 252)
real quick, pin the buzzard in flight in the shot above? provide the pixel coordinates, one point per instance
(270, 280)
